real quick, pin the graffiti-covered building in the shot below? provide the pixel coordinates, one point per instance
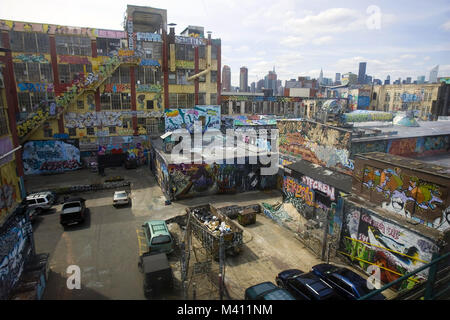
(12, 187)
(397, 216)
(84, 91)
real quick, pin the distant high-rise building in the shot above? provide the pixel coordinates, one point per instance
(321, 77)
(260, 86)
(270, 80)
(368, 79)
(421, 79)
(253, 87)
(362, 73)
(434, 74)
(408, 80)
(243, 83)
(388, 80)
(337, 78)
(226, 78)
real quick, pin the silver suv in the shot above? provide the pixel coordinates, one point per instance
(41, 200)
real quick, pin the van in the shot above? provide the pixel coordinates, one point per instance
(41, 200)
(158, 237)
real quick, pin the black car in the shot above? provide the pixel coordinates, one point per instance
(347, 283)
(73, 212)
(305, 286)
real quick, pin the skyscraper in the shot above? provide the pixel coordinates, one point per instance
(226, 78)
(321, 77)
(243, 80)
(434, 74)
(388, 80)
(420, 79)
(270, 81)
(362, 73)
(337, 79)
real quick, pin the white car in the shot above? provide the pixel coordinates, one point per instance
(121, 198)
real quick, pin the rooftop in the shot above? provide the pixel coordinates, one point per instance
(335, 179)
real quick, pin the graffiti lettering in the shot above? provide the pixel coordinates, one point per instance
(35, 87)
(318, 185)
(73, 60)
(293, 187)
(147, 36)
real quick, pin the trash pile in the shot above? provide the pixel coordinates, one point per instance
(212, 222)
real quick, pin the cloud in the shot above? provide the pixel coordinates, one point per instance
(446, 26)
(408, 56)
(322, 40)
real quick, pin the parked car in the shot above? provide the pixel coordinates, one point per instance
(158, 275)
(267, 291)
(347, 283)
(41, 200)
(121, 198)
(158, 237)
(305, 286)
(73, 212)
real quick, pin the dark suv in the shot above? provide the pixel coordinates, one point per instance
(347, 283)
(73, 212)
(305, 286)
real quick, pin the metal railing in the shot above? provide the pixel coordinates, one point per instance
(429, 284)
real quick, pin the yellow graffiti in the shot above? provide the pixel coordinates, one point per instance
(172, 113)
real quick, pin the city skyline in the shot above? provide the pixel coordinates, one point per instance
(298, 37)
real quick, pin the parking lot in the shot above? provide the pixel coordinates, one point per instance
(106, 247)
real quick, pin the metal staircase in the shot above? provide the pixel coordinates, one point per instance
(89, 83)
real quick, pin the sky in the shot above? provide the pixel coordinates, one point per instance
(299, 38)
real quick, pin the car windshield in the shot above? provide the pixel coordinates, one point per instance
(121, 195)
(162, 239)
(71, 205)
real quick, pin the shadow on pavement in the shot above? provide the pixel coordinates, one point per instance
(56, 289)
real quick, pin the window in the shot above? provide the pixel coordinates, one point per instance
(152, 50)
(181, 100)
(213, 76)
(3, 121)
(126, 123)
(213, 99)
(105, 101)
(73, 45)
(107, 46)
(202, 52)
(72, 132)
(33, 72)
(64, 73)
(202, 98)
(150, 104)
(46, 72)
(115, 101)
(80, 104)
(20, 71)
(29, 42)
(90, 131)
(172, 78)
(213, 52)
(126, 100)
(48, 132)
(24, 101)
(112, 130)
(124, 74)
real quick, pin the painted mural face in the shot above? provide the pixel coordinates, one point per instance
(397, 250)
(185, 118)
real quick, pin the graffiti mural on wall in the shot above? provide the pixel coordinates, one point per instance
(419, 146)
(35, 87)
(296, 190)
(50, 156)
(136, 147)
(188, 180)
(370, 238)
(184, 118)
(30, 58)
(406, 195)
(6, 146)
(92, 119)
(14, 250)
(320, 144)
(9, 188)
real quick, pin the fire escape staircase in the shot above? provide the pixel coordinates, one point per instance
(88, 84)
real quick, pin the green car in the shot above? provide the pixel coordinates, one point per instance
(158, 237)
